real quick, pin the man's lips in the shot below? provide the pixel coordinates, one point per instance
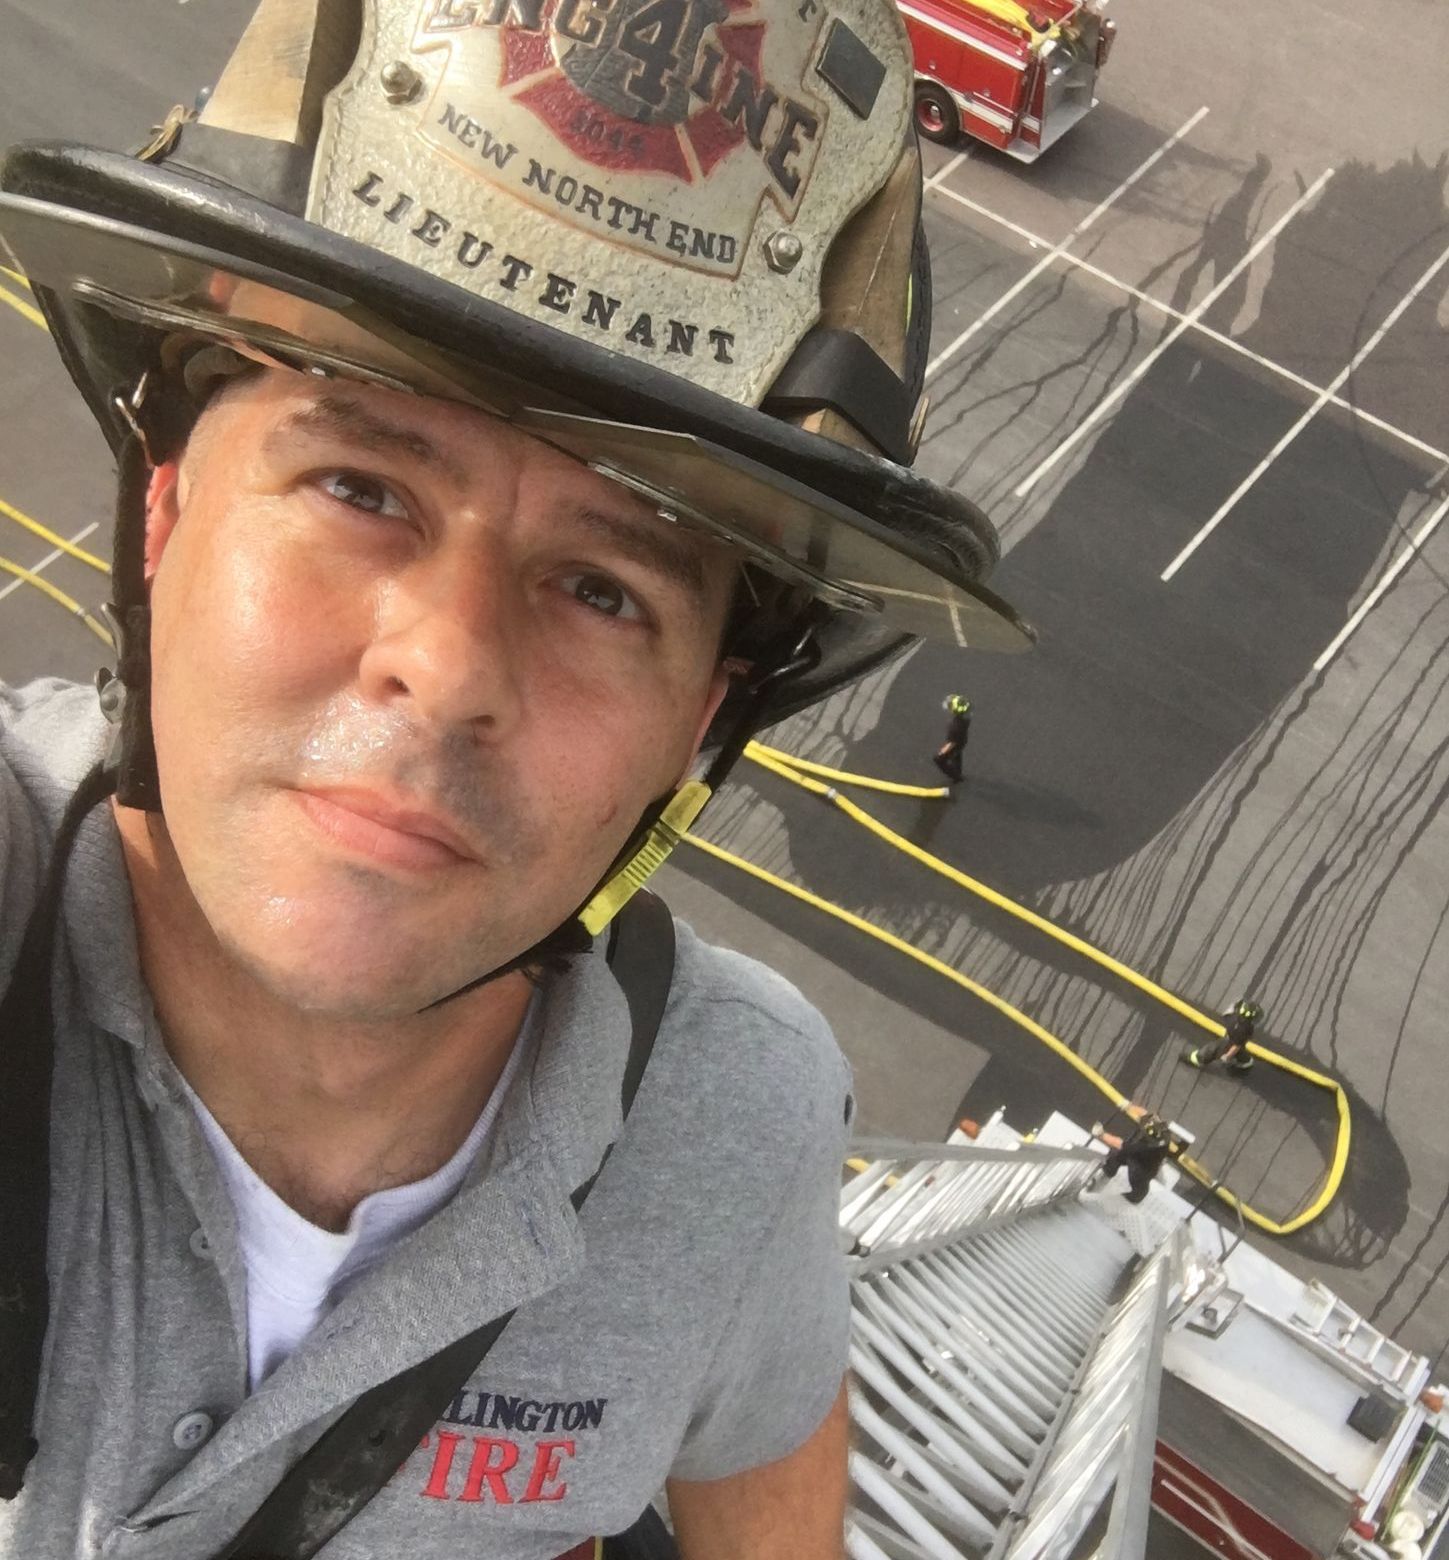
(366, 822)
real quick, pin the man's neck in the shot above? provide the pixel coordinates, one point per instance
(325, 1111)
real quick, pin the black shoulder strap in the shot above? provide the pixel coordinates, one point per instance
(28, 1044)
(641, 955)
(340, 1473)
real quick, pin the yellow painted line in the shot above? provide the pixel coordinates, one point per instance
(17, 276)
(22, 306)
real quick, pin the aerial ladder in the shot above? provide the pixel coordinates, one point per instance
(1040, 1366)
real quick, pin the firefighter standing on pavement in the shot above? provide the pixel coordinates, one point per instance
(948, 756)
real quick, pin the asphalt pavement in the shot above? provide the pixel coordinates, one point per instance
(1231, 777)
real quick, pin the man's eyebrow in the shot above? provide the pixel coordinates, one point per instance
(652, 543)
(340, 417)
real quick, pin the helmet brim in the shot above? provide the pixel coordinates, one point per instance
(127, 256)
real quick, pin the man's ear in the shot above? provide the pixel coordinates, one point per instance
(163, 510)
(719, 686)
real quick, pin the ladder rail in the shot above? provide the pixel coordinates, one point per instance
(1005, 1355)
(1107, 1439)
(916, 1195)
(1126, 1535)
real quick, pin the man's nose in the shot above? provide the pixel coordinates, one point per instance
(450, 640)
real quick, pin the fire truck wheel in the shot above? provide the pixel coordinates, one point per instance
(936, 116)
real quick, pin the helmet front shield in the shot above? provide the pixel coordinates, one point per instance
(174, 294)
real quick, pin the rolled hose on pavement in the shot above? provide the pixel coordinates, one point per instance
(812, 777)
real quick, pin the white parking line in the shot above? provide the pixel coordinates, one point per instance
(947, 600)
(49, 558)
(1339, 380)
(947, 169)
(1105, 405)
(981, 320)
(985, 211)
(1395, 569)
(1382, 424)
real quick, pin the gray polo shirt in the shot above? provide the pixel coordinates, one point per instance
(693, 1322)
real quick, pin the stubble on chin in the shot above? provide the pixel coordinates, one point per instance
(351, 944)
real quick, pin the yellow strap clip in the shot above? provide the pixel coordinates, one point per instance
(664, 834)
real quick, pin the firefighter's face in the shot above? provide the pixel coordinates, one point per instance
(416, 677)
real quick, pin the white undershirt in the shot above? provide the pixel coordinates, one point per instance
(296, 1272)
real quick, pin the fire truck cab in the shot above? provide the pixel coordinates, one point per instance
(1015, 75)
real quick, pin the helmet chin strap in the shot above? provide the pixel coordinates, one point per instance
(26, 1024)
(125, 695)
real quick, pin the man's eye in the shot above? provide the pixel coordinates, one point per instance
(603, 595)
(364, 493)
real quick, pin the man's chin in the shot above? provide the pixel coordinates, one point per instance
(336, 955)
(360, 996)
(352, 986)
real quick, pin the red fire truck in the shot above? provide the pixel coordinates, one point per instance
(1015, 75)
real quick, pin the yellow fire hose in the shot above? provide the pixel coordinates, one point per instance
(18, 301)
(800, 772)
(70, 604)
(30, 577)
